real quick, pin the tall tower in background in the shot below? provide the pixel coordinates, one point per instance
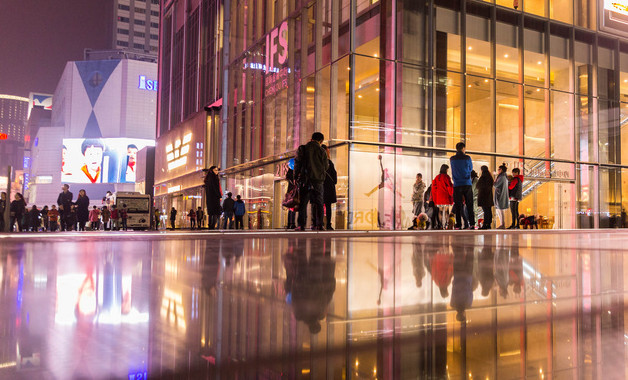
(13, 114)
(136, 25)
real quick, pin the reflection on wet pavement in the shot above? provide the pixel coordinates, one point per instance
(325, 306)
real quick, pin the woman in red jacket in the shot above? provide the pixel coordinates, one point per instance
(443, 193)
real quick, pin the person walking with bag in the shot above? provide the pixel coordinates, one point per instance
(484, 187)
(310, 169)
(501, 195)
(213, 195)
(443, 194)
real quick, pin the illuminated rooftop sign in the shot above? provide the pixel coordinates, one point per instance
(147, 84)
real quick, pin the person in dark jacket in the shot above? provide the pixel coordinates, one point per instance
(310, 170)
(292, 213)
(33, 219)
(82, 209)
(329, 188)
(173, 217)
(3, 207)
(227, 207)
(239, 209)
(461, 168)
(213, 195)
(64, 201)
(44, 218)
(17, 209)
(200, 217)
(515, 190)
(485, 196)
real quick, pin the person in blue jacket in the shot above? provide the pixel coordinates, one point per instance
(461, 167)
(239, 209)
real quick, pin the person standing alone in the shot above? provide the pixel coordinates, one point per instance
(213, 195)
(173, 217)
(82, 209)
(310, 169)
(64, 201)
(461, 167)
(329, 188)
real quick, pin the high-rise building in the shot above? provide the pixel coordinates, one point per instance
(136, 25)
(393, 86)
(13, 116)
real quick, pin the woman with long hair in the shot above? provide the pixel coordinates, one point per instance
(213, 195)
(501, 195)
(82, 209)
(443, 193)
(18, 209)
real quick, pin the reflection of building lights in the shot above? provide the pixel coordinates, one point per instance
(357, 363)
(8, 364)
(305, 371)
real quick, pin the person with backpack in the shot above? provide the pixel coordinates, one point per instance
(228, 208)
(239, 209)
(515, 190)
(310, 169)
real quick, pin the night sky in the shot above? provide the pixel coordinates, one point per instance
(37, 38)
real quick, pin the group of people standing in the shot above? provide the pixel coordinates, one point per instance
(450, 201)
(67, 215)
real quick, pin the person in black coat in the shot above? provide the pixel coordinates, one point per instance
(64, 201)
(3, 206)
(485, 196)
(82, 209)
(33, 219)
(213, 195)
(18, 209)
(329, 188)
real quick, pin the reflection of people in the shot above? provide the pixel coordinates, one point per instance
(501, 271)
(441, 265)
(487, 274)
(418, 257)
(92, 150)
(462, 288)
(131, 160)
(515, 271)
(310, 283)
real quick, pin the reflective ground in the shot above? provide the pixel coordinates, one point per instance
(322, 306)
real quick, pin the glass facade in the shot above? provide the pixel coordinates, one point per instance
(394, 85)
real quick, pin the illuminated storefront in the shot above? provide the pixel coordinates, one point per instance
(393, 86)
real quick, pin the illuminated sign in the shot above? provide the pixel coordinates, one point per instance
(147, 84)
(176, 154)
(613, 16)
(4, 136)
(277, 45)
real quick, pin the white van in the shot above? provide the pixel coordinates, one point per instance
(139, 209)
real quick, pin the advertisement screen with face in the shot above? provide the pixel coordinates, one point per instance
(101, 160)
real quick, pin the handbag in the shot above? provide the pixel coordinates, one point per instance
(292, 197)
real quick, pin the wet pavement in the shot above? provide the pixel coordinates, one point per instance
(408, 305)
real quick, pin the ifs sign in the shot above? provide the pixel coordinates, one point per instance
(147, 84)
(277, 46)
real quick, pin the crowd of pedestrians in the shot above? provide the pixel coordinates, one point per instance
(67, 215)
(455, 202)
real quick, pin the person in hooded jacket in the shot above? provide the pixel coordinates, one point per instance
(213, 193)
(443, 192)
(515, 189)
(501, 195)
(485, 196)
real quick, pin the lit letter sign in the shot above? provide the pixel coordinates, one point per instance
(272, 49)
(176, 155)
(147, 84)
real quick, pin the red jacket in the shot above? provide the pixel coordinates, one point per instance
(442, 190)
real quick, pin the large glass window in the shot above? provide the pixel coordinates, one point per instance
(366, 124)
(536, 135)
(508, 127)
(586, 196)
(534, 54)
(536, 7)
(412, 127)
(479, 109)
(447, 111)
(478, 49)
(560, 65)
(562, 125)
(585, 13)
(561, 10)
(507, 47)
(610, 198)
(609, 132)
(447, 54)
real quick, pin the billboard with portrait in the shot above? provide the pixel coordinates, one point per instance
(100, 160)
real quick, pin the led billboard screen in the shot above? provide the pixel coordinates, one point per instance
(111, 160)
(614, 16)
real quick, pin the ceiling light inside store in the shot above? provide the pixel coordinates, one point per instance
(470, 47)
(359, 96)
(375, 55)
(377, 89)
(505, 55)
(539, 62)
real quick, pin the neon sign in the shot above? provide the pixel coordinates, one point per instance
(147, 84)
(4, 136)
(273, 49)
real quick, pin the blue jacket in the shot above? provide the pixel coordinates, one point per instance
(461, 167)
(239, 208)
